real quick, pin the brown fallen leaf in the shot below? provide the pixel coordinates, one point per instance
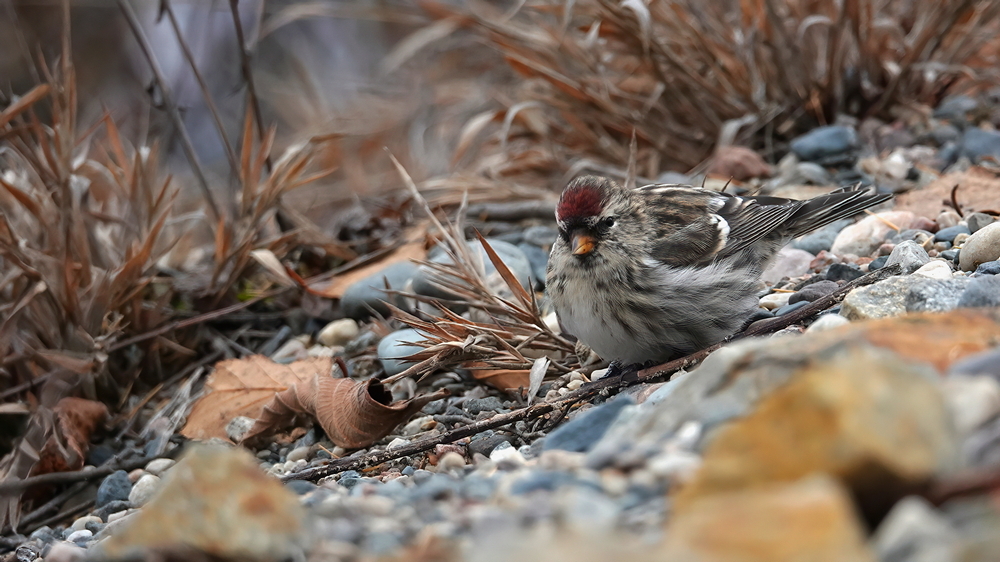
(66, 447)
(500, 379)
(241, 387)
(353, 414)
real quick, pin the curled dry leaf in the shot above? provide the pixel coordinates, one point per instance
(241, 387)
(500, 379)
(67, 445)
(353, 414)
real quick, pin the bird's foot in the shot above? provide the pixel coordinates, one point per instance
(624, 373)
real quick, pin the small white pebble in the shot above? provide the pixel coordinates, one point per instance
(82, 522)
(827, 322)
(397, 442)
(574, 385)
(451, 461)
(83, 535)
(65, 552)
(298, 453)
(563, 391)
(157, 467)
(507, 457)
(577, 376)
(119, 515)
(775, 300)
(338, 332)
(935, 269)
(144, 490)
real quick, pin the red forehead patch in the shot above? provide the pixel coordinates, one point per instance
(580, 201)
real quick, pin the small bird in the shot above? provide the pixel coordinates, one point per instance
(661, 271)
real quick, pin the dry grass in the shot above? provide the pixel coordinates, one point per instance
(688, 76)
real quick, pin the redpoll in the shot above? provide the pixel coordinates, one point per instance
(658, 272)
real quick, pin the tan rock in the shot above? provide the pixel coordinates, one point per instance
(864, 236)
(215, 500)
(866, 417)
(808, 521)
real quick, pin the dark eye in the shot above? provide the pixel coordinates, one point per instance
(608, 222)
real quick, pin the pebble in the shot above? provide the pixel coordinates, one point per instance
(843, 272)
(813, 291)
(509, 254)
(988, 268)
(877, 263)
(977, 143)
(935, 269)
(865, 236)
(540, 236)
(81, 536)
(539, 260)
(301, 487)
(507, 457)
(949, 234)
(827, 322)
(981, 247)
(143, 490)
(775, 300)
(65, 552)
(115, 487)
(935, 295)
(398, 344)
(111, 509)
(451, 461)
(981, 292)
(972, 400)
(790, 308)
(157, 467)
(585, 429)
(909, 255)
(976, 221)
(955, 108)
(82, 522)
(370, 291)
(790, 262)
(829, 146)
(475, 406)
(822, 239)
(338, 332)
(880, 300)
(948, 219)
(485, 444)
(298, 453)
(238, 427)
(915, 531)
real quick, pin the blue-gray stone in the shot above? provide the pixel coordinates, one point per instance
(478, 488)
(349, 478)
(935, 295)
(985, 363)
(977, 143)
(436, 487)
(829, 145)
(978, 220)
(759, 314)
(539, 260)
(485, 444)
(822, 239)
(583, 431)
(509, 254)
(955, 108)
(951, 255)
(988, 268)
(790, 308)
(370, 291)
(382, 543)
(115, 487)
(877, 263)
(301, 487)
(408, 471)
(982, 291)
(542, 236)
(542, 480)
(949, 234)
(943, 133)
(398, 344)
(842, 272)
(476, 405)
(909, 255)
(112, 507)
(813, 291)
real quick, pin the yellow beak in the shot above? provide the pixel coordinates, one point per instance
(583, 244)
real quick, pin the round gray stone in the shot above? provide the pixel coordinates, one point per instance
(398, 344)
(370, 291)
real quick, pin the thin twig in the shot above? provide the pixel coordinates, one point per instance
(171, 103)
(234, 6)
(14, 487)
(24, 524)
(234, 164)
(609, 385)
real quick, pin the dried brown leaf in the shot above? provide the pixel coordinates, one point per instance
(353, 414)
(340, 283)
(67, 446)
(241, 387)
(501, 379)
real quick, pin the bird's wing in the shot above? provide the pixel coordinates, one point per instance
(696, 226)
